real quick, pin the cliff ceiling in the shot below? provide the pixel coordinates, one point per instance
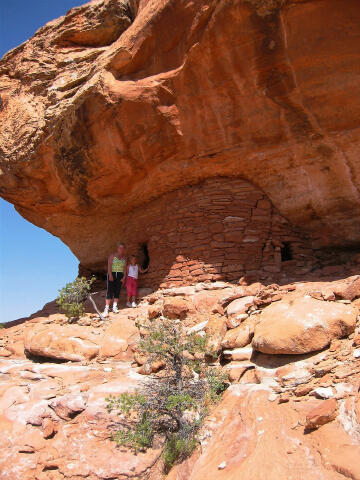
(116, 104)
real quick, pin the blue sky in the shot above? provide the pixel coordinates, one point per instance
(33, 263)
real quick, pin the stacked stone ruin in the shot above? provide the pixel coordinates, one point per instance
(219, 229)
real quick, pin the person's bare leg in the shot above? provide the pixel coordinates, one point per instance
(128, 300)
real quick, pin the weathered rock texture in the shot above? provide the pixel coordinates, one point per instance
(109, 112)
(284, 416)
(61, 342)
(302, 325)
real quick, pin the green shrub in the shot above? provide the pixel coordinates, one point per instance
(217, 381)
(169, 408)
(72, 297)
(140, 438)
(177, 449)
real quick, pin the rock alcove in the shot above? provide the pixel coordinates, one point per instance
(218, 229)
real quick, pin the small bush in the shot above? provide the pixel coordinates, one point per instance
(139, 439)
(177, 449)
(169, 408)
(72, 297)
(218, 382)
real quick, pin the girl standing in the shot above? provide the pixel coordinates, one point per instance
(116, 276)
(133, 270)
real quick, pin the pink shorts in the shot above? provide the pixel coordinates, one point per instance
(131, 286)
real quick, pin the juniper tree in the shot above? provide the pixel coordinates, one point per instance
(170, 407)
(71, 298)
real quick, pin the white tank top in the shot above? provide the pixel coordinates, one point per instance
(133, 271)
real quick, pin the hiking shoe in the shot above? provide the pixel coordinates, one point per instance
(115, 309)
(133, 304)
(105, 313)
(128, 304)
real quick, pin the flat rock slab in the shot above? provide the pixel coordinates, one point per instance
(302, 325)
(240, 305)
(62, 342)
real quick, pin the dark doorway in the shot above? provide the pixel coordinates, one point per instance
(286, 252)
(144, 256)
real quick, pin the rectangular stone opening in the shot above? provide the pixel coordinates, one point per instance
(144, 257)
(286, 252)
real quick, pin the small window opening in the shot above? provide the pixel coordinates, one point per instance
(286, 252)
(144, 256)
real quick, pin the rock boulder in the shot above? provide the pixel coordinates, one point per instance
(325, 412)
(239, 306)
(239, 336)
(68, 406)
(302, 325)
(118, 338)
(215, 330)
(62, 342)
(176, 308)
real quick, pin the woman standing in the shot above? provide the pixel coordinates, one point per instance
(116, 276)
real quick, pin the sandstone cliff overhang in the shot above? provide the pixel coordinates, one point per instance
(118, 104)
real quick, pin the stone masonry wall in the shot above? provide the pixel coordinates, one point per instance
(219, 229)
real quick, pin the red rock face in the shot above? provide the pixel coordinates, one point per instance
(100, 118)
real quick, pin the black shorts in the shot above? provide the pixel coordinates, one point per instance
(114, 287)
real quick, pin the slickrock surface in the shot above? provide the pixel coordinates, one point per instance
(219, 140)
(113, 116)
(61, 342)
(283, 416)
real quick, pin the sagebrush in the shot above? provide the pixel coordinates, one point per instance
(71, 298)
(170, 408)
